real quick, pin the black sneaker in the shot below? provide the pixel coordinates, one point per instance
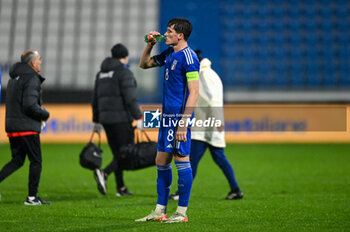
(100, 178)
(174, 196)
(234, 195)
(123, 191)
(36, 201)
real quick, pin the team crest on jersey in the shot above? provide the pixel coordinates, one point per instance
(173, 65)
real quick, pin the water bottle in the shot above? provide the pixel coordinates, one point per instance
(149, 38)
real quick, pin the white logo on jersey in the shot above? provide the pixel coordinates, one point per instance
(167, 74)
(169, 146)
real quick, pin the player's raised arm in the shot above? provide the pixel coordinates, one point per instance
(146, 61)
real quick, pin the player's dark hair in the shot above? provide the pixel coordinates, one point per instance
(27, 57)
(181, 25)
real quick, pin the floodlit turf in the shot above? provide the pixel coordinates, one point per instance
(286, 188)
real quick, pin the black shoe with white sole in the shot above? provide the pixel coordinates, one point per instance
(36, 201)
(234, 195)
(174, 196)
(123, 191)
(101, 181)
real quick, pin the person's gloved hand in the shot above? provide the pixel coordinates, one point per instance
(43, 125)
(139, 124)
(97, 128)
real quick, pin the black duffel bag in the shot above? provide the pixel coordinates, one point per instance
(139, 155)
(91, 155)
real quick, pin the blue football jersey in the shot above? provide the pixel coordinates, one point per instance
(180, 67)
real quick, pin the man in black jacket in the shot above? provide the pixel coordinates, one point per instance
(115, 106)
(25, 117)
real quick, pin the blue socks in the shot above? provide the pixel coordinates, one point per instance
(184, 182)
(164, 180)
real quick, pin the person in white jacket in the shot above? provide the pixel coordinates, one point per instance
(210, 105)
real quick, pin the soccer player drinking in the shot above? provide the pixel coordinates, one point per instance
(180, 94)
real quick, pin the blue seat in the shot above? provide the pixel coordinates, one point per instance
(329, 75)
(282, 44)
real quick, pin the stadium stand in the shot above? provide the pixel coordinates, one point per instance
(286, 44)
(261, 48)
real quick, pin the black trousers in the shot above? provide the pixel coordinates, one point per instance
(118, 134)
(20, 147)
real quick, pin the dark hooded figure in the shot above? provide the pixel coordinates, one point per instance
(25, 117)
(115, 106)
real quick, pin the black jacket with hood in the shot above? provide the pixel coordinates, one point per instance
(114, 99)
(24, 99)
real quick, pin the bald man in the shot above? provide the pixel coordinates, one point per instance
(25, 117)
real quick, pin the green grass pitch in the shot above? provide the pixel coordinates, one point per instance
(287, 187)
